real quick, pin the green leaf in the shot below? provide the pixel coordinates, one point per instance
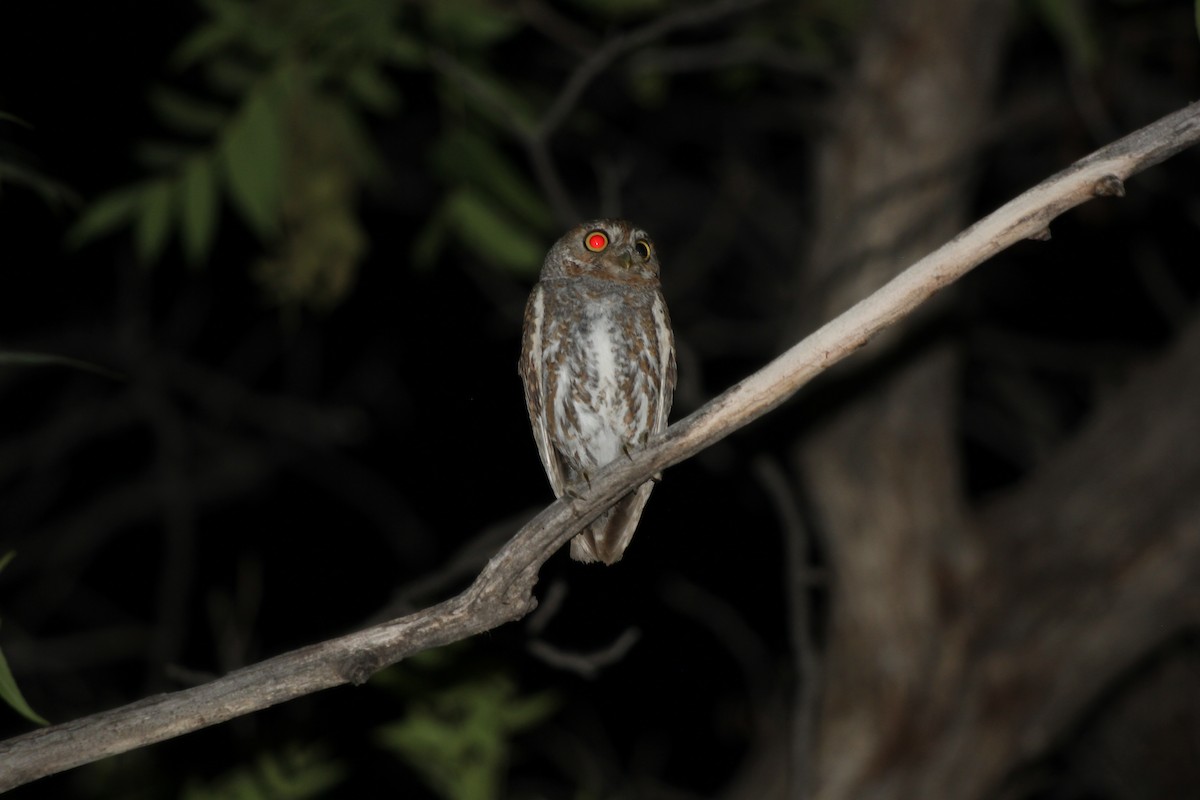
(9, 692)
(202, 44)
(356, 145)
(372, 90)
(187, 114)
(252, 158)
(20, 359)
(294, 772)
(472, 159)
(459, 738)
(104, 215)
(6, 117)
(492, 235)
(53, 193)
(525, 712)
(162, 156)
(471, 24)
(199, 219)
(1072, 23)
(432, 239)
(491, 97)
(7, 557)
(229, 21)
(153, 221)
(230, 76)
(649, 87)
(406, 51)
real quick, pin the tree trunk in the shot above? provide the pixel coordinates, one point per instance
(884, 473)
(962, 642)
(1086, 569)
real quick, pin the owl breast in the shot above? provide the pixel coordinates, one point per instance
(606, 391)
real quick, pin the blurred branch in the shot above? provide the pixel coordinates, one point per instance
(585, 665)
(616, 47)
(801, 577)
(503, 591)
(536, 139)
(704, 58)
(559, 28)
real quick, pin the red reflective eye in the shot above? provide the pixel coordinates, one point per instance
(596, 241)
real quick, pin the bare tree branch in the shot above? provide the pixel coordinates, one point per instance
(593, 66)
(536, 136)
(503, 591)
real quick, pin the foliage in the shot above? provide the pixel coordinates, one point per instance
(278, 135)
(1072, 24)
(489, 207)
(17, 358)
(457, 735)
(279, 138)
(9, 692)
(292, 773)
(15, 169)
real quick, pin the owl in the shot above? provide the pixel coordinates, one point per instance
(598, 364)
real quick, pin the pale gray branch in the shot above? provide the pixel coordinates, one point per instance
(503, 591)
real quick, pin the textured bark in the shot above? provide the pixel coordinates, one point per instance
(1089, 567)
(884, 473)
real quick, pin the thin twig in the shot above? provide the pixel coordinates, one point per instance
(503, 592)
(536, 139)
(585, 665)
(616, 47)
(800, 578)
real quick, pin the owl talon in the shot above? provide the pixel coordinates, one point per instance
(573, 490)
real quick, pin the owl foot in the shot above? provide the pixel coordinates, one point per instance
(574, 490)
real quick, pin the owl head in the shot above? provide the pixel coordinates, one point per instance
(612, 249)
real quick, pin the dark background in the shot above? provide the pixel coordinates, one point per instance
(262, 475)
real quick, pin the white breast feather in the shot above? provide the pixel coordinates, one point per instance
(600, 435)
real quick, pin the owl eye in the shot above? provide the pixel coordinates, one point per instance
(596, 241)
(643, 249)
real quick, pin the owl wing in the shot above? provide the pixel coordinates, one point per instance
(666, 354)
(533, 375)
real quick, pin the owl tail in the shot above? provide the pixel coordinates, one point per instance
(606, 538)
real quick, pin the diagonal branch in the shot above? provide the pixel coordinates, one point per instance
(503, 592)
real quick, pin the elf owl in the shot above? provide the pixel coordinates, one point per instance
(598, 364)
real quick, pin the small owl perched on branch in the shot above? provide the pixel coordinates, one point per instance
(598, 364)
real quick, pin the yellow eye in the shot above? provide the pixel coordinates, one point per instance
(643, 249)
(596, 241)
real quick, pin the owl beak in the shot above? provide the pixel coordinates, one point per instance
(627, 260)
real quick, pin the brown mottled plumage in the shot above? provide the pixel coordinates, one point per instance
(598, 364)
